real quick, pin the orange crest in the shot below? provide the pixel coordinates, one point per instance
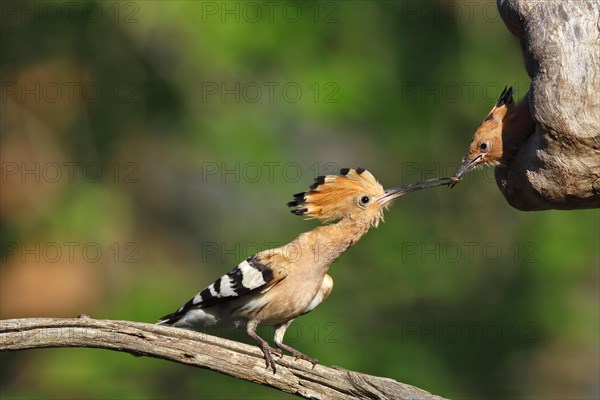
(333, 197)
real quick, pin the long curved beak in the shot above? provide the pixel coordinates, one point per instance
(395, 192)
(467, 165)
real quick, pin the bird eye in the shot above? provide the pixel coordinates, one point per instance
(364, 200)
(484, 147)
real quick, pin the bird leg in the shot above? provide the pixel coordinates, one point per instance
(279, 333)
(264, 346)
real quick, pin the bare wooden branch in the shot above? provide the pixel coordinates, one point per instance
(558, 167)
(205, 351)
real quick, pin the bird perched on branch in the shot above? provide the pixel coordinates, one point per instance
(500, 135)
(275, 286)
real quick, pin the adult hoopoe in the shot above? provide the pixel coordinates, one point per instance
(498, 138)
(275, 286)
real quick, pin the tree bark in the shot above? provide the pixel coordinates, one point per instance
(238, 360)
(558, 167)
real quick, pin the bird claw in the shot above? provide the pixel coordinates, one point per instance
(268, 352)
(297, 355)
(277, 352)
(311, 360)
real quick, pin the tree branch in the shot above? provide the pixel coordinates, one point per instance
(239, 360)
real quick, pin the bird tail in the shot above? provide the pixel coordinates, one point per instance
(192, 317)
(170, 319)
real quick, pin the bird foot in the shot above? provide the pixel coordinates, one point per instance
(298, 355)
(268, 352)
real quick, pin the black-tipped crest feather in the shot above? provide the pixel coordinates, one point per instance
(505, 97)
(298, 200)
(319, 180)
(300, 211)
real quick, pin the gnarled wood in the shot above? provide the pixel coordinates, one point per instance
(558, 167)
(205, 351)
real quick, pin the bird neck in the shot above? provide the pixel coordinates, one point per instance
(519, 126)
(327, 243)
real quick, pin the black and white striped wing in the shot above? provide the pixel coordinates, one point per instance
(256, 273)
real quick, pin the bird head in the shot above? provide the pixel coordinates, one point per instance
(354, 195)
(487, 145)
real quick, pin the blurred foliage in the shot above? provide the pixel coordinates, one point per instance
(169, 135)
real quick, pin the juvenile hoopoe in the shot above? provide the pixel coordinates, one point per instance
(498, 138)
(275, 286)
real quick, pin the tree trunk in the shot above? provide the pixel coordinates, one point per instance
(558, 167)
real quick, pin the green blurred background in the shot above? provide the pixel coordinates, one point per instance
(147, 147)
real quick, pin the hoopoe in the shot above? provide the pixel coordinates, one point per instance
(275, 286)
(498, 138)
